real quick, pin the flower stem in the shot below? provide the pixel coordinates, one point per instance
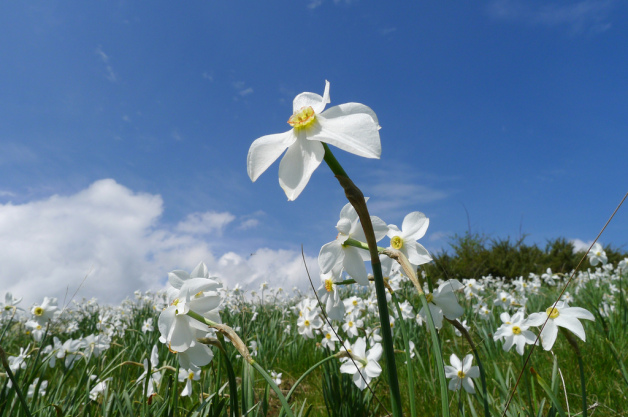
(356, 198)
(574, 344)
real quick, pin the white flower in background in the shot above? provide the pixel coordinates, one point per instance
(503, 300)
(461, 373)
(465, 325)
(187, 376)
(443, 302)
(329, 295)
(406, 310)
(19, 361)
(514, 331)
(329, 337)
(44, 312)
(309, 322)
(622, 266)
(413, 228)
(276, 377)
(352, 127)
(352, 259)
(365, 365)
(597, 255)
(560, 316)
(155, 375)
(36, 329)
(99, 389)
(32, 387)
(147, 326)
(351, 325)
(354, 305)
(549, 277)
(10, 304)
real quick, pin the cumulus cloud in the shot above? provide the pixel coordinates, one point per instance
(580, 245)
(112, 237)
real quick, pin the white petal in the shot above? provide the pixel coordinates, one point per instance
(466, 364)
(417, 254)
(298, 164)
(455, 362)
(313, 100)
(330, 255)
(467, 384)
(356, 133)
(354, 265)
(572, 324)
(577, 312)
(414, 225)
(548, 335)
(350, 108)
(265, 150)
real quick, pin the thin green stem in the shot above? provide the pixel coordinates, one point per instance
(574, 344)
(409, 367)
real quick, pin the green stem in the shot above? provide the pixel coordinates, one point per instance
(574, 344)
(409, 368)
(7, 368)
(356, 198)
(274, 386)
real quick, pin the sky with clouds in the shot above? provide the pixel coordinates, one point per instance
(124, 130)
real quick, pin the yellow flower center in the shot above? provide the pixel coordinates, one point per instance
(329, 285)
(355, 303)
(396, 242)
(306, 323)
(38, 311)
(429, 297)
(198, 294)
(191, 375)
(350, 324)
(328, 336)
(516, 330)
(460, 374)
(552, 312)
(302, 118)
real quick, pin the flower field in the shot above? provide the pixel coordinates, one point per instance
(401, 340)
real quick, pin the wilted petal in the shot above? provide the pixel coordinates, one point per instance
(265, 150)
(298, 164)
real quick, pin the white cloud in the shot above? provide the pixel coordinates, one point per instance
(585, 15)
(111, 75)
(313, 4)
(398, 198)
(246, 92)
(113, 235)
(248, 224)
(580, 245)
(205, 223)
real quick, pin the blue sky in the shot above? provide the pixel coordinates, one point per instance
(124, 129)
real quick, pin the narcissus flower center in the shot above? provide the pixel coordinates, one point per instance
(329, 285)
(328, 336)
(306, 323)
(396, 242)
(302, 118)
(516, 330)
(191, 375)
(460, 374)
(552, 312)
(38, 311)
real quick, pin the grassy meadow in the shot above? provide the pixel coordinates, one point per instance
(99, 360)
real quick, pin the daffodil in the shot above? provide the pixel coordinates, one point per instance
(352, 127)
(560, 315)
(443, 302)
(413, 228)
(514, 331)
(365, 365)
(461, 373)
(597, 255)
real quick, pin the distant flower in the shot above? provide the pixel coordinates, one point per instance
(99, 389)
(514, 331)
(365, 365)
(352, 259)
(597, 255)
(45, 311)
(461, 373)
(413, 228)
(187, 376)
(309, 322)
(147, 326)
(276, 377)
(32, 387)
(329, 337)
(443, 302)
(329, 295)
(560, 316)
(351, 127)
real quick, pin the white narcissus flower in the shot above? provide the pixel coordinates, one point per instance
(514, 331)
(352, 127)
(367, 363)
(597, 255)
(413, 228)
(308, 322)
(352, 259)
(187, 376)
(443, 302)
(44, 312)
(461, 373)
(329, 295)
(562, 315)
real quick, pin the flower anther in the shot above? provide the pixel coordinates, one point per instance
(552, 312)
(396, 242)
(516, 330)
(38, 311)
(303, 118)
(329, 285)
(461, 374)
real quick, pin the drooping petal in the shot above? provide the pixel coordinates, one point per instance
(414, 225)
(350, 108)
(298, 164)
(265, 150)
(313, 100)
(548, 335)
(417, 254)
(355, 133)
(572, 324)
(330, 255)
(354, 265)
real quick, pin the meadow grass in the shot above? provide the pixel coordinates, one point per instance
(118, 346)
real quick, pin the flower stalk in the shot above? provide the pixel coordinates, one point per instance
(356, 198)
